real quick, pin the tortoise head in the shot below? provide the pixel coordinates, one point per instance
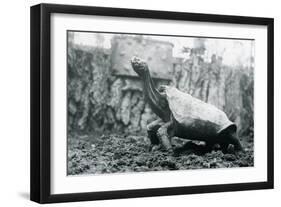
(156, 100)
(139, 66)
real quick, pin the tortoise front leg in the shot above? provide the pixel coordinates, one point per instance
(164, 136)
(152, 130)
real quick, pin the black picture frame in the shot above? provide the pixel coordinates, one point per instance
(41, 98)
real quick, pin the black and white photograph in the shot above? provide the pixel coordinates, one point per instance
(152, 102)
(131, 103)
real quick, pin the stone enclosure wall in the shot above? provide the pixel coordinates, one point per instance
(101, 100)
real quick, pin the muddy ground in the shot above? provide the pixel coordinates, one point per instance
(113, 153)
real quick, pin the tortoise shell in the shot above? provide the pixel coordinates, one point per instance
(197, 117)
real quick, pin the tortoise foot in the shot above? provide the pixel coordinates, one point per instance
(154, 148)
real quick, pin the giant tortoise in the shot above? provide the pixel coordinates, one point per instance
(184, 116)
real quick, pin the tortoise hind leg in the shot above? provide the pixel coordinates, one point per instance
(235, 142)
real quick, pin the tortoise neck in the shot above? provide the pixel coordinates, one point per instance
(155, 99)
